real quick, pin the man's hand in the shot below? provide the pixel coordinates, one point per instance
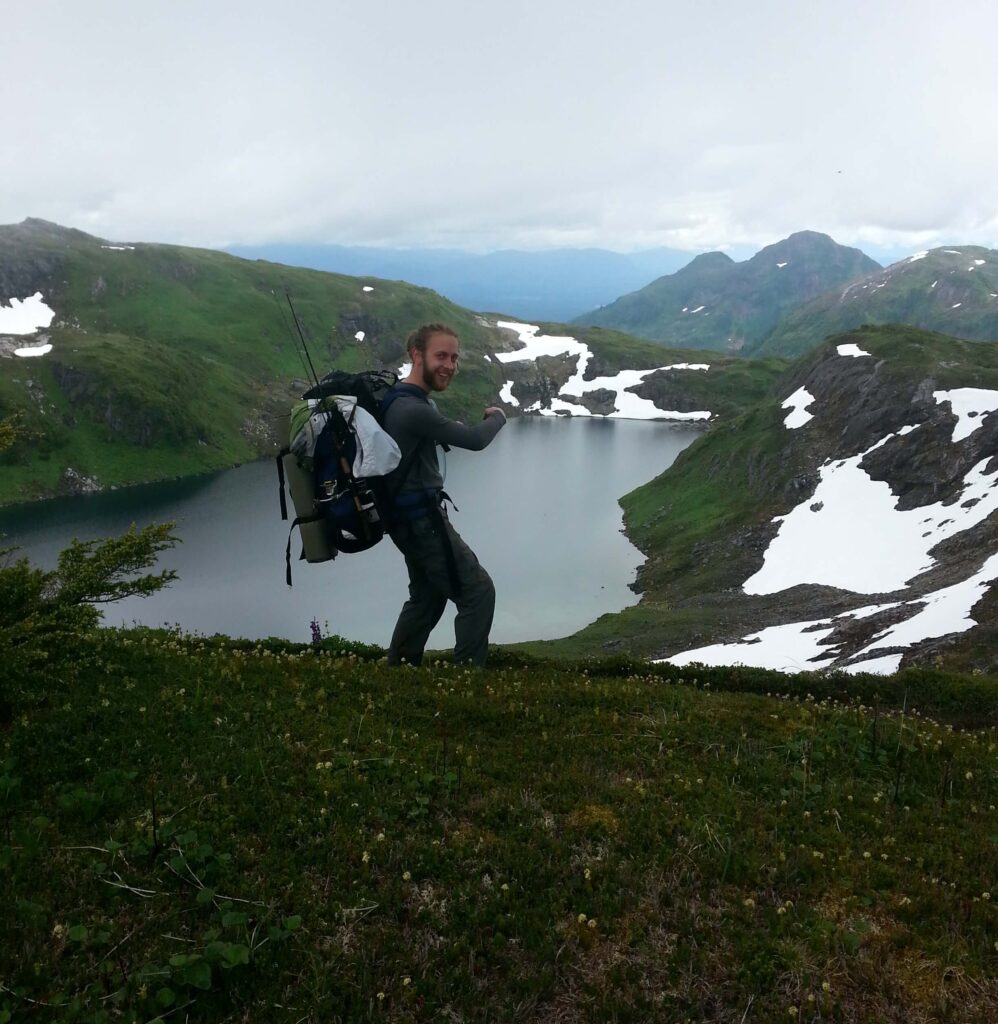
(491, 409)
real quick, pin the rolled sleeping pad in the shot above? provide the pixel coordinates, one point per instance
(314, 538)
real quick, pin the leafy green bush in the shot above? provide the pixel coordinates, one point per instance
(43, 615)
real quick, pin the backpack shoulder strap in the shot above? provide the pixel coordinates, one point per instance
(401, 391)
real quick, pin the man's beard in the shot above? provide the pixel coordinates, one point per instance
(433, 382)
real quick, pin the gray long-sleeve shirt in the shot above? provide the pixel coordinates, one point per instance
(410, 421)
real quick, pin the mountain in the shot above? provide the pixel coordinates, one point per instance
(130, 362)
(716, 303)
(849, 520)
(167, 361)
(952, 290)
(553, 284)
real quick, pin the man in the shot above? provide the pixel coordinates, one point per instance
(441, 566)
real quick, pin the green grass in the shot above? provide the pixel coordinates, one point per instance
(221, 831)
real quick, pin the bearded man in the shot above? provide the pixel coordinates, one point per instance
(441, 566)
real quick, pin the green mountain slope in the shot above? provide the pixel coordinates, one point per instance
(953, 291)
(715, 303)
(168, 361)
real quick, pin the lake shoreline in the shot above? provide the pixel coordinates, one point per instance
(540, 507)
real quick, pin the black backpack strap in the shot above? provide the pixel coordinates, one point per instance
(400, 473)
(280, 479)
(299, 521)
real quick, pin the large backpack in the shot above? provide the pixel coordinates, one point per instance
(337, 462)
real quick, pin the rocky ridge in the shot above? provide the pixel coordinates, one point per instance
(901, 445)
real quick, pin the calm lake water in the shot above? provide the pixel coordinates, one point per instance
(538, 506)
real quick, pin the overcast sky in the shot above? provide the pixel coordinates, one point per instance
(512, 124)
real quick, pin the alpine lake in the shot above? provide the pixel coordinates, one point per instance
(539, 507)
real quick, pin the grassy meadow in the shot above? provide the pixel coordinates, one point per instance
(199, 829)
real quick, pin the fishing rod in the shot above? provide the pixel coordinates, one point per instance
(283, 314)
(301, 334)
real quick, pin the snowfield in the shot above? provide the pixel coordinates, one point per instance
(805, 646)
(627, 404)
(969, 405)
(797, 403)
(25, 316)
(850, 534)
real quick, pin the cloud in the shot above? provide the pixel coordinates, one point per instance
(527, 124)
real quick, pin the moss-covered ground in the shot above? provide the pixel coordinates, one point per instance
(203, 830)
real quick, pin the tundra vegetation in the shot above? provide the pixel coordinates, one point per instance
(201, 829)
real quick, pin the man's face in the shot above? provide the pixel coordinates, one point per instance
(439, 362)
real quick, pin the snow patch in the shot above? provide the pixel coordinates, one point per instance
(360, 335)
(851, 349)
(119, 248)
(802, 646)
(955, 252)
(793, 647)
(979, 263)
(368, 288)
(850, 533)
(627, 405)
(946, 611)
(917, 256)
(697, 310)
(956, 305)
(886, 666)
(970, 406)
(781, 265)
(797, 403)
(33, 350)
(25, 316)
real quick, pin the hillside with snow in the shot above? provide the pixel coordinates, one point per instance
(953, 290)
(849, 521)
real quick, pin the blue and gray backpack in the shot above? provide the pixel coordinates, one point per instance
(338, 461)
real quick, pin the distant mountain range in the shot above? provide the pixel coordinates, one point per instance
(555, 284)
(953, 290)
(718, 304)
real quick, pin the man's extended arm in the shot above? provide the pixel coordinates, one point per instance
(424, 420)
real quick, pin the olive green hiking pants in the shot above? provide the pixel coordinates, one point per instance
(432, 585)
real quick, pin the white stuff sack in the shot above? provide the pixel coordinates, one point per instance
(377, 452)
